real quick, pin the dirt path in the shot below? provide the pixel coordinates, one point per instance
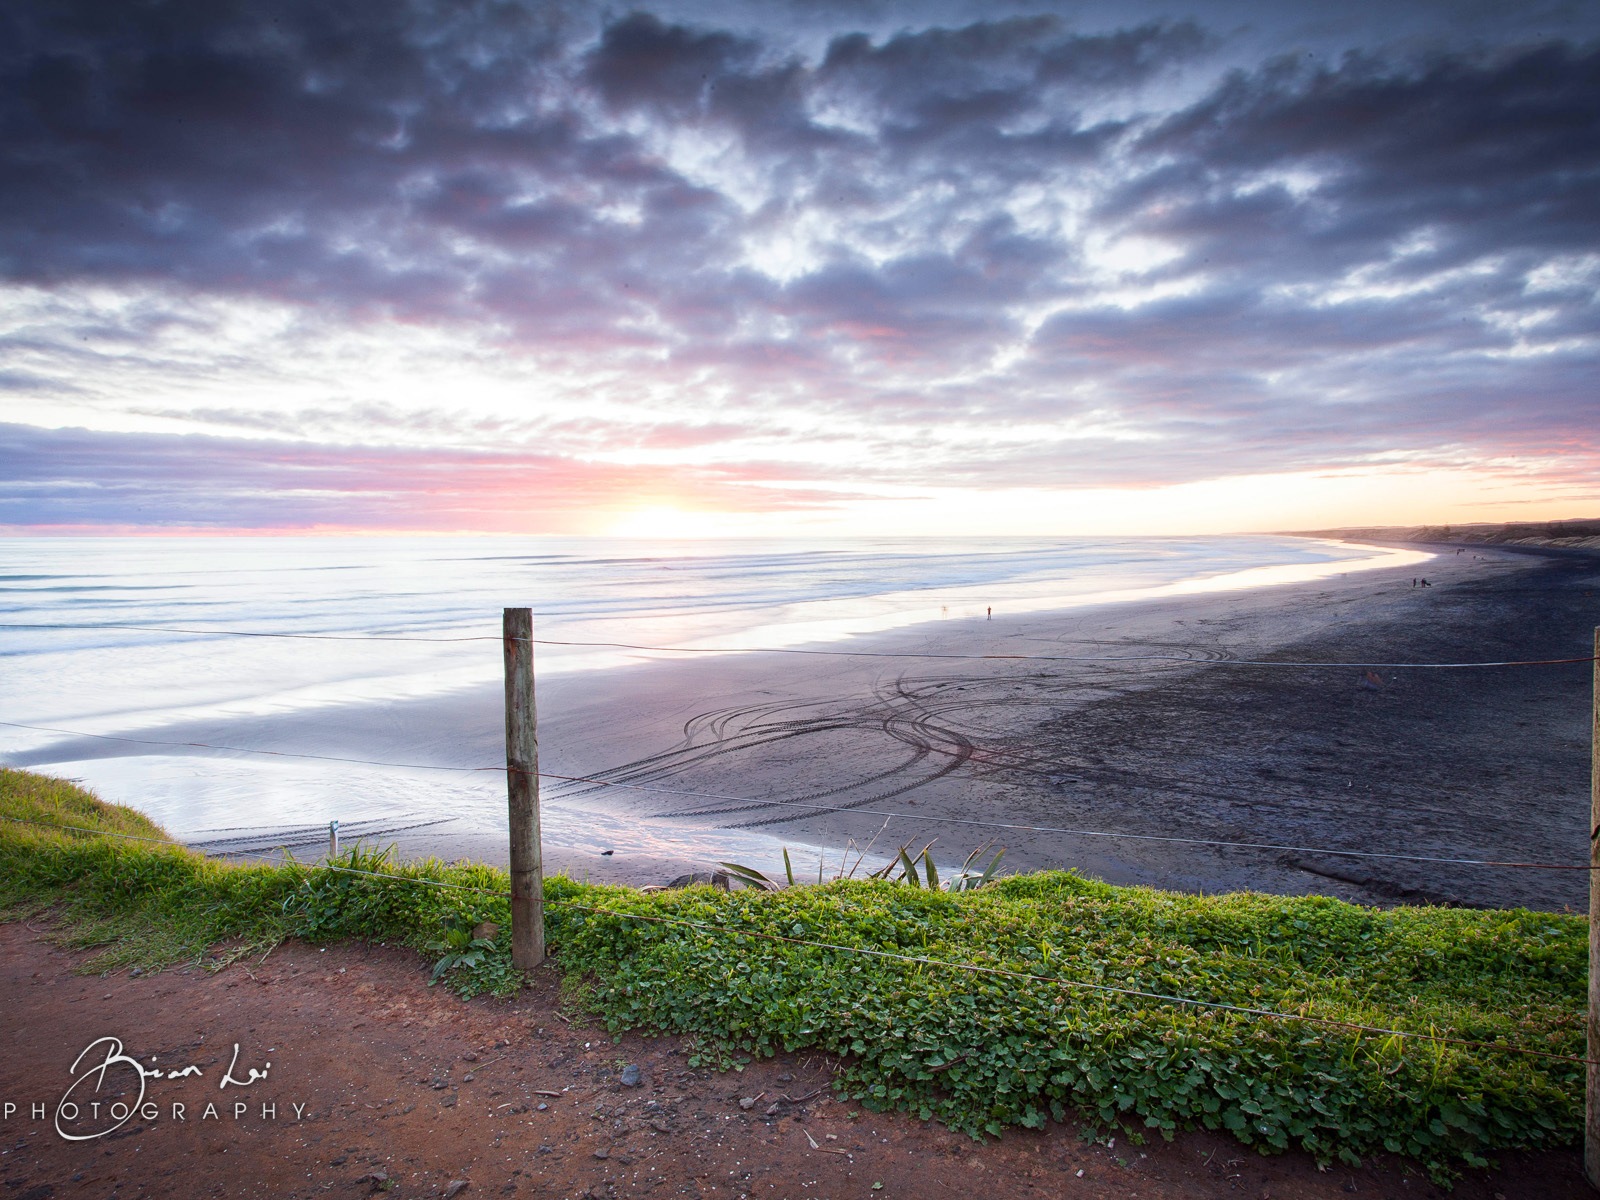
(380, 1085)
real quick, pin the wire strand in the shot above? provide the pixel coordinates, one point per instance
(460, 887)
(1144, 837)
(873, 812)
(920, 960)
(1059, 981)
(367, 762)
(1171, 658)
(249, 633)
(913, 654)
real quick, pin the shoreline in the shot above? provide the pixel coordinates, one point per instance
(1124, 747)
(1171, 748)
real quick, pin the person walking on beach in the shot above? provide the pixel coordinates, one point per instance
(988, 613)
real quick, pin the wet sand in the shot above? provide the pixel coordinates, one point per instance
(1487, 763)
(736, 756)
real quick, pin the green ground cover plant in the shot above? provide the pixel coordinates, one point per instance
(755, 971)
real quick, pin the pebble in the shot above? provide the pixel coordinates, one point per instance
(630, 1075)
(747, 1103)
(602, 1153)
(543, 1106)
(455, 1187)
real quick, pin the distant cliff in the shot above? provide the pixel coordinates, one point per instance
(1582, 534)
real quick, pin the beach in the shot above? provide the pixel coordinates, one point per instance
(1486, 763)
(1101, 729)
(1114, 719)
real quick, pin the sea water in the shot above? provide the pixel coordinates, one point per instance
(117, 653)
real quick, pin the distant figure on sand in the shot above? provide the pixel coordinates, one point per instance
(1424, 582)
(988, 613)
(1413, 583)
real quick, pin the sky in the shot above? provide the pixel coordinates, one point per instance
(794, 268)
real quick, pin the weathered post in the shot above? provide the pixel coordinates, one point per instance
(522, 791)
(333, 840)
(1591, 1124)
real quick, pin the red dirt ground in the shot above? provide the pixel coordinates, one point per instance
(409, 1091)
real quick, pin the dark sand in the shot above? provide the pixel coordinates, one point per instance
(1485, 763)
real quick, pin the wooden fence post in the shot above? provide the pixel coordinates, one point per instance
(522, 791)
(333, 840)
(1591, 1123)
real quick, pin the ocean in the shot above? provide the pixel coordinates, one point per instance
(157, 670)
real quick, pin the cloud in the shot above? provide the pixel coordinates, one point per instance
(1476, 155)
(859, 244)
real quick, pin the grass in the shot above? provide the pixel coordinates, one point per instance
(977, 1051)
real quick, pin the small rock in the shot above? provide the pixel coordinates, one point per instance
(455, 1187)
(602, 1153)
(772, 1109)
(747, 1103)
(607, 853)
(136, 972)
(376, 1178)
(467, 1078)
(543, 1106)
(659, 1125)
(786, 1078)
(630, 1075)
(469, 1056)
(485, 930)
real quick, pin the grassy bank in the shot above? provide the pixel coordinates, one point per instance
(979, 1051)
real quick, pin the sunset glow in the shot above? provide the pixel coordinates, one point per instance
(705, 270)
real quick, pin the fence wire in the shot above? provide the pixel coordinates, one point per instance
(1197, 658)
(918, 960)
(972, 822)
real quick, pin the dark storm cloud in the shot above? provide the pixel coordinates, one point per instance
(643, 64)
(331, 154)
(321, 153)
(1490, 155)
(1346, 256)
